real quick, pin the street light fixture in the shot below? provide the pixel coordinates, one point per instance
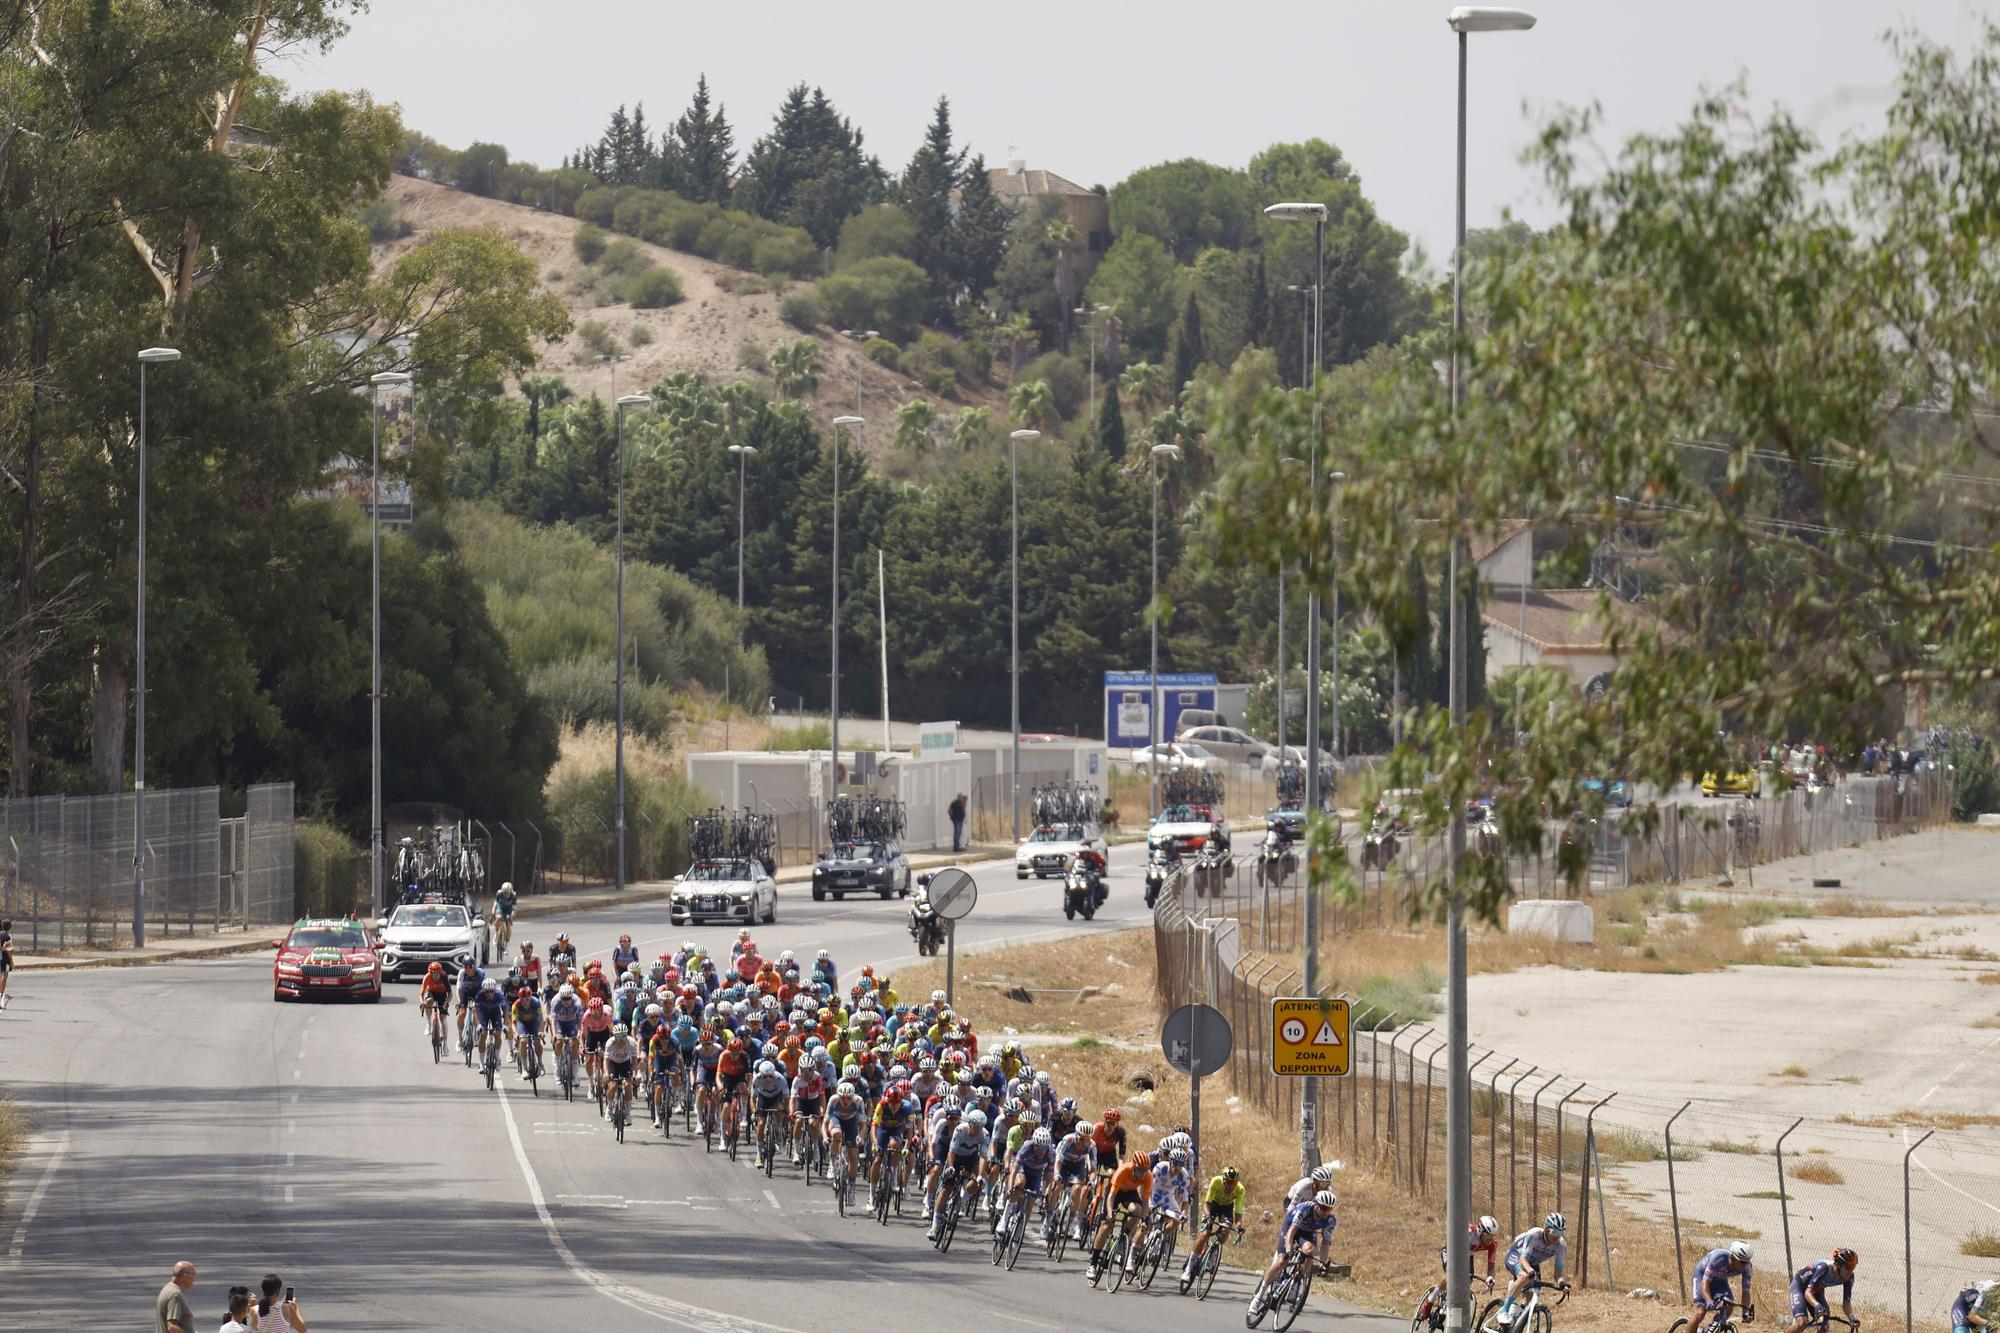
(833, 710)
(1092, 313)
(376, 383)
(1014, 602)
(742, 452)
(1464, 20)
(1309, 1092)
(618, 648)
(1157, 452)
(150, 356)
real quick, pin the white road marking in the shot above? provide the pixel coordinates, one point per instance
(1980, 1054)
(291, 1127)
(35, 1199)
(288, 1194)
(295, 1099)
(291, 1159)
(632, 1298)
(1017, 1319)
(298, 1074)
(772, 1199)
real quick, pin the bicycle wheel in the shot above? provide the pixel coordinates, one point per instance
(1282, 1315)
(492, 1064)
(1161, 1252)
(1121, 1250)
(1485, 1324)
(948, 1228)
(1018, 1235)
(1678, 1326)
(1193, 1270)
(534, 1071)
(1211, 1264)
(437, 1045)
(1420, 1318)
(1000, 1239)
(840, 1185)
(1058, 1240)
(1543, 1321)
(1254, 1315)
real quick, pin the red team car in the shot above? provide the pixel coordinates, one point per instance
(330, 957)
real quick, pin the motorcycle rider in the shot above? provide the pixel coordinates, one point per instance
(1092, 863)
(925, 927)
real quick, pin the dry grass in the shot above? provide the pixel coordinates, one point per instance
(1817, 1172)
(1097, 984)
(1794, 1071)
(1921, 1120)
(1989, 978)
(13, 1129)
(590, 751)
(1981, 1245)
(1993, 1022)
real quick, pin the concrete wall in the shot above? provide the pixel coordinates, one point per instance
(1512, 563)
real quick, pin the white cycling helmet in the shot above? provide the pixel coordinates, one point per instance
(654, 1011)
(1085, 1128)
(1740, 1251)
(1555, 1222)
(1327, 1199)
(617, 1029)
(1489, 1226)
(825, 957)
(767, 1067)
(845, 1089)
(1042, 1135)
(937, 996)
(1042, 1077)
(1322, 1174)
(506, 886)
(568, 992)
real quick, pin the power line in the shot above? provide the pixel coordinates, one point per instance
(1818, 460)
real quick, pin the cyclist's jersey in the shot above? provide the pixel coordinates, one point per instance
(623, 956)
(967, 1139)
(1017, 1136)
(890, 1114)
(1962, 1307)
(597, 1020)
(504, 900)
(434, 983)
(1033, 1156)
(1817, 1276)
(733, 1064)
(847, 1110)
(531, 969)
(771, 1085)
(1715, 1270)
(1224, 1193)
(1010, 1064)
(1304, 1223)
(708, 1055)
(528, 1008)
(567, 1012)
(1534, 1249)
(621, 1050)
(469, 984)
(1073, 1148)
(686, 1037)
(661, 1049)
(564, 954)
(491, 1005)
(808, 1086)
(1171, 1187)
(1476, 1243)
(1129, 1178)
(1113, 1141)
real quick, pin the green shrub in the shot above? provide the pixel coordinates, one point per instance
(729, 238)
(873, 232)
(597, 337)
(940, 380)
(803, 310)
(589, 243)
(640, 336)
(657, 810)
(1066, 377)
(625, 258)
(884, 293)
(807, 736)
(655, 289)
(580, 690)
(684, 224)
(1398, 1000)
(882, 352)
(1975, 785)
(786, 255)
(640, 212)
(326, 870)
(384, 219)
(750, 355)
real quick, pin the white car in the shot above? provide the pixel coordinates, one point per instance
(1185, 829)
(1049, 848)
(1175, 754)
(415, 935)
(726, 889)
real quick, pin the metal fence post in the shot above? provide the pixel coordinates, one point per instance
(1409, 1142)
(1394, 1137)
(1535, 1140)
(1493, 1131)
(1514, 1150)
(1674, 1200)
(1589, 1161)
(1909, 1286)
(1784, 1205)
(1561, 1102)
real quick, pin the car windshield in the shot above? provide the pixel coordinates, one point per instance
(429, 916)
(861, 851)
(1049, 833)
(1180, 814)
(719, 870)
(1197, 751)
(327, 937)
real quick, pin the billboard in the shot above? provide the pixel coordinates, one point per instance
(1129, 706)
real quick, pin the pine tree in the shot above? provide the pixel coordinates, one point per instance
(810, 171)
(639, 151)
(978, 233)
(615, 147)
(925, 194)
(1111, 423)
(1187, 345)
(699, 153)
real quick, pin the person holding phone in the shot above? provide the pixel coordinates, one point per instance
(275, 1315)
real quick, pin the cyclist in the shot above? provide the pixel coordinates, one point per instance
(1711, 1280)
(1809, 1284)
(527, 1014)
(707, 1056)
(1221, 1205)
(1525, 1257)
(490, 1012)
(1966, 1315)
(768, 1087)
(624, 955)
(1172, 1189)
(1319, 1178)
(567, 1011)
(1109, 1141)
(1027, 1181)
(967, 1144)
(845, 1111)
(1308, 1224)
(1075, 1155)
(732, 1071)
(562, 953)
(890, 1123)
(808, 1092)
(824, 970)
(621, 1054)
(529, 966)
(503, 907)
(1130, 1187)
(436, 999)
(470, 981)
(596, 1033)
(943, 1130)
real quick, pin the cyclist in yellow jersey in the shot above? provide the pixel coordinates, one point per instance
(1222, 1207)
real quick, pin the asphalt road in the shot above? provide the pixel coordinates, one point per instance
(185, 1115)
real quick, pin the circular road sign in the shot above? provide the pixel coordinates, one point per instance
(1294, 1031)
(952, 893)
(1197, 1029)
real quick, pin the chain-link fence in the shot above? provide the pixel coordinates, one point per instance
(66, 865)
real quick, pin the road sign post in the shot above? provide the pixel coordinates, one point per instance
(1310, 1036)
(1197, 1040)
(952, 894)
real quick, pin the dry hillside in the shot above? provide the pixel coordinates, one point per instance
(702, 334)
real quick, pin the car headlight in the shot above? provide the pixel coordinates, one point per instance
(289, 970)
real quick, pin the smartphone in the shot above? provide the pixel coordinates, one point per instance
(288, 1294)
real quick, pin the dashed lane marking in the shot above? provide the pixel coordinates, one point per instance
(34, 1203)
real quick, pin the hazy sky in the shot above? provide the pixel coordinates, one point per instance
(1094, 91)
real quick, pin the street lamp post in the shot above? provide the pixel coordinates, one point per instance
(742, 452)
(1305, 369)
(861, 336)
(1309, 1091)
(1091, 313)
(1014, 604)
(833, 711)
(1464, 20)
(376, 383)
(147, 357)
(618, 650)
(1153, 709)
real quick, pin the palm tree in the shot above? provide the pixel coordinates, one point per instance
(1031, 404)
(915, 420)
(1019, 332)
(795, 368)
(1141, 382)
(971, 428)
(542, 391)
(1062, 234)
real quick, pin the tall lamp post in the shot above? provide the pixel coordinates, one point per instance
(742, 452)
(1464, 20)
(1092, 313)
(833, 710)
(1304, 290)
(1014, 442)
(618, 650)
(1153, 710)
(861, 336)
(376, 851)
(1309, 1092)
(148, 357)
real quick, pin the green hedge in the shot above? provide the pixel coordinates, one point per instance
(657, 811)
(326, 869)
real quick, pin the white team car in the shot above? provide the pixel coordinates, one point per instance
(416, 934)
(1186, 829)
(1049, 848)
(725, 889)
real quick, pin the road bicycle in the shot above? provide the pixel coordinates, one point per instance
(1206, 1261)
(1430, 1311)
(1531, 1317)
(466, 1039)
(1114, 1256)
(531, 1055)
(621, 1107)
(1155, 1250)
(492, 1062)
(1719, 1318)
(1012, 1231)
(950, 1206)
(566, 1069)
(1287, 1295)
(434, 1019)
(843, 1179)
(887, 1188)
(1061, 1222)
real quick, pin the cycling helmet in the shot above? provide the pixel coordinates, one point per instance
(824, 956)
(976, 1118)
(927, 1065)
(618, 1029)
(1488, 1226)
(435, 967)
(1085, 1129)
(786, 956)
(1042, 1135)
(1113, 1116)
(899, 1072)
(1042, 1077)
(984, 1094)
(1322, 1174)
(624, 939)
(937, 996)
(491, 984)
(1985, 1285)
(1326, 1199)
(562, 937)
(767, 1067)
(1012, 1106)
(952, 1106)
(736, 1045)
(654, 1011)
(513, 974)
(1178, 1157)
(1141, 1161)
(596, 1003)
(1555, 1222)
(964, 1080)
(1845, 1258)
(568, 992)
(1740, 1251)
(1068, 1106)
(845, 1089)
(1231, 1173)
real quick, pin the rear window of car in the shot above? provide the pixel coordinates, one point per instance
(429, 917)
(719, 870)
(327, 937)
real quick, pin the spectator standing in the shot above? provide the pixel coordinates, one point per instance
(239, 1311)
(172, 1313)
(277, 1312)
(6, 958)
(957, 812)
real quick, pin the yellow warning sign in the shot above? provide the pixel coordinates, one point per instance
(1309, 1036)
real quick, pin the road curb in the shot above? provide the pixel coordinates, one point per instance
(183, 955)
